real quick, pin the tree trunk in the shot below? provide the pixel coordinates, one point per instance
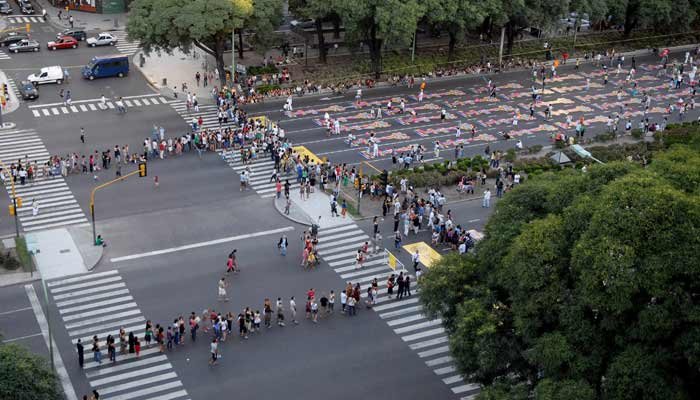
(451, 44)
(321, 41)
(375, 52)
(336, 27)
(240, 44)
(218, 53)
(510, 38)
(631, 16)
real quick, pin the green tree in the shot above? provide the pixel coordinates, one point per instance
(660, 15)
(263, 22)
(458, 16)
(378, 23)
(25, 376)
(164, 25)
(584, 287)
(319, 11)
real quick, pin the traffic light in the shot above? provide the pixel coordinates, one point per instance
(4, 89)
(384, 178)
(12, 210)
(28, 27)
(143, 171)
(19, 201)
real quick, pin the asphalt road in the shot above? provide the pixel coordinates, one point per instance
(168, 245)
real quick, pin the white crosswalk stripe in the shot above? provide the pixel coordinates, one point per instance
(25, 19)
(4, 56)
(123, 45)
(338, 247)
(208, 112)
(57, 207)
(96, 308)
(260, 172)
(13, 86)
(95, 105)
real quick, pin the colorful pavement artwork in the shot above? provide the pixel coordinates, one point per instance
(409, 120)
(348, 118)
(485, 111)
(472, 102)
(426, 132)
(364, 141)
(373, 103)
(532, 131)
(365, 127)
(484, 89)
(446, 144)
(568, 89)
(566, 111)
(439, 95)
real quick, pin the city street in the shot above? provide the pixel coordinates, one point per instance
(168, 243)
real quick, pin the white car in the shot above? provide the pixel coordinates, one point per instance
(52, 74)
(103, 39)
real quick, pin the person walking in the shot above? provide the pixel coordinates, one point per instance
(96, 352)
(81, 353)
(407, 286)
(214, 350)
(314, 311)
(222, 289)
(132, 342)
(390, 286)
(282, 245)
(293, 310)
(343, 301)
(486, 202)
(280, 312)
(415, 258)
(267, 310)
(82, 135)
(331, 302)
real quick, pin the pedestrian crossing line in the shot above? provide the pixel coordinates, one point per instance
(144, 392)
(4, 56)
(103, 319)
(123, 45)
(26, 143)
(338, 247)
(89, 299)
(21, 19)
(13, 86)
(132, 374)
(89, 291)
(81, 278)
(87, 314)
(396, 304)
(434, 352)
(123, 367)
(96, 304)
(95, 105)
(100, 304)
(87, 284)
(465, 388)
(429, 343)
(445, 370)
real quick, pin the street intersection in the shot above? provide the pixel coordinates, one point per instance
(167, 244)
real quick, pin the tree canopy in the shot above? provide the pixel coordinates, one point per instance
(25, 376)
(586, 286)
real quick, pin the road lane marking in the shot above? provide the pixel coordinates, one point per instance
(60, 368)
(201, 244)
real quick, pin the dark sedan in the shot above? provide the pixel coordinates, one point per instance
(28, 91)
(12, 37)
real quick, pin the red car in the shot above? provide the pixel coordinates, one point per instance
(66, 42)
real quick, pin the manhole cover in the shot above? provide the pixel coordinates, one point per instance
(64, 251)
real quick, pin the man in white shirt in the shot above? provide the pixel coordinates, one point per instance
(486, 203)
(416, 260)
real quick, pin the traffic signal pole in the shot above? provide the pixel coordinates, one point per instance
(141, 171)
(12, 193)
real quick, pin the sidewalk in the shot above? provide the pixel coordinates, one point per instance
(64, 251)
(317, 209)
(12, 100)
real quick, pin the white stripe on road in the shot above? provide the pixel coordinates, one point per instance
(421, 335)
(81, 278)
(122, 358)
(89, 291)
(92, 298)
(464, 388)
(101, 311)
(434, 352)
(445, 370)
(395, 304)
(98, 321)
(140, 382)
(60, 368)
(429, 343)
(86, 284)
(406, 320)
(92, 329)
(452, 379)
(401, 312)
(122, 367)
(438, 361)
(170, 396)
(202, 244)
(132, 374)
(95, 305)
(144, 392)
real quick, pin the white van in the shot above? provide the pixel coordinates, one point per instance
(47, 75)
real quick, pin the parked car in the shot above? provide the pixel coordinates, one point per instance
(12, 37)
(66, 42)
(26, 7)
(76, 33)
(28, 91)
(5, 8)
(103, 67)
(24, 45)
(303, 23)
(53, 74)
(103, 39)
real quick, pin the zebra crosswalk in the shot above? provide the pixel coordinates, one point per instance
(4, 56)
(100, 304)
(25, 19)
(338, 247)
(13, 86)
(123, 45)
(56, 203)
(260, 173)
(92, 105)
(208, 112)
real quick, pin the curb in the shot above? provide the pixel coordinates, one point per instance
(289, 217)
(91, 268)
(36, 277)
